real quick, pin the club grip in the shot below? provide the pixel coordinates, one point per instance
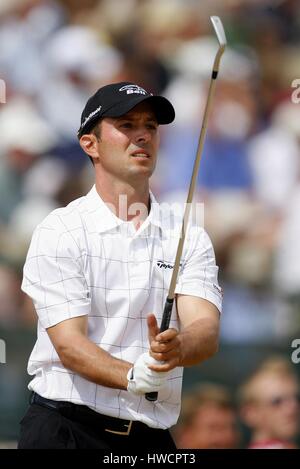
(165, 322)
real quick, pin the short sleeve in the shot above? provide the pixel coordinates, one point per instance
(54, 277)
(199, 273)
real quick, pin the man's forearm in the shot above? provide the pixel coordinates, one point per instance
(198, 341)
(93, 363)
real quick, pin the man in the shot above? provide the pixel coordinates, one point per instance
(269, 402)
(98, 272)
(208, 419)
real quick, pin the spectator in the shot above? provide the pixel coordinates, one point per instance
(208, 420)
(269, 402)
(25, 136)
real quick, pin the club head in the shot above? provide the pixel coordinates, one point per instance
(219, 29)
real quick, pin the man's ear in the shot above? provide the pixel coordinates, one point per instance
(88, 143)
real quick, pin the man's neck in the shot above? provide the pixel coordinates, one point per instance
(128, 202)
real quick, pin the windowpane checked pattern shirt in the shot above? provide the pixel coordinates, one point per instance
(83, 260)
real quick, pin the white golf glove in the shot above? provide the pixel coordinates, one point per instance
(142, 380)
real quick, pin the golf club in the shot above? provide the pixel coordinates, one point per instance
(219, 30)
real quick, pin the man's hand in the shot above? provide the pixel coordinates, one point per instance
(165, 347)
(142, 380)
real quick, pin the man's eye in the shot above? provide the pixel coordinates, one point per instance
(127, 125)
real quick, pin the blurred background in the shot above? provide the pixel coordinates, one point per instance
(56, 53)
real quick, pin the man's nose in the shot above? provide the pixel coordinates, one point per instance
(143, 135)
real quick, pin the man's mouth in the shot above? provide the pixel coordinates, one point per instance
(140, 154)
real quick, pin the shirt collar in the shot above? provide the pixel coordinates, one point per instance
(106, 220)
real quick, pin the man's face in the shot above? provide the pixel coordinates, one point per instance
(128, 145)
(276, 411)
(213, 427)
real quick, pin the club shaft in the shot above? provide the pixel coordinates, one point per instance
(189, 200)
(166, 317)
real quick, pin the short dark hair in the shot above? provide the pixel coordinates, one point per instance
(96, 130)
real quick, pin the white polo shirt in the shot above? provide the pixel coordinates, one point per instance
(83, 260)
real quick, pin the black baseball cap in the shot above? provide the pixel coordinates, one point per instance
(117, 99)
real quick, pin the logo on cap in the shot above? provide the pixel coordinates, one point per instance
(131, 89)
(89, 117)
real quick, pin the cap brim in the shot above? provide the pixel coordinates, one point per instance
(163, 109)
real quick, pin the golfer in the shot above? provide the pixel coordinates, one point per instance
(98, 272)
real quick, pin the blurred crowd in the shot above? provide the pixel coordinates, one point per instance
(267, 405)
(56, 53)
